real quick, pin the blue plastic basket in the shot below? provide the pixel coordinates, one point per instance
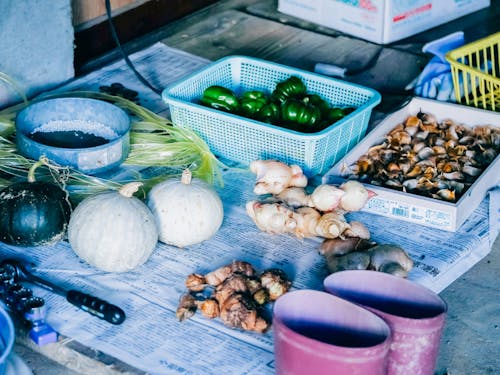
(243, 140)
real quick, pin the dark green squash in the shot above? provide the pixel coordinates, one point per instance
(33, 212)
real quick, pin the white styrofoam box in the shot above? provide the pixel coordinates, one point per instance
(36, 47)
(415, 208)
(380, 21)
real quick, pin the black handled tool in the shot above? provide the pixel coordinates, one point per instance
(93, 305)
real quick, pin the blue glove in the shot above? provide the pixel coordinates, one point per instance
(435, 81)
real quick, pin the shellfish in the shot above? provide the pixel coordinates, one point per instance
(421, 155)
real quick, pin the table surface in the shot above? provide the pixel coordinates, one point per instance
(254, 28)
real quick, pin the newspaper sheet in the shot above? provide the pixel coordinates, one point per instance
(151, 339)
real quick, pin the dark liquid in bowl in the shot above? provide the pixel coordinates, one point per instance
(68, 139)
(405, 308)
(338, 336)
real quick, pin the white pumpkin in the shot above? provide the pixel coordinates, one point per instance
(113, 231)
(187, 212)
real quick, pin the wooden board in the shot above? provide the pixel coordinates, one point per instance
(140, 17)
(86, 12)
(237, 33)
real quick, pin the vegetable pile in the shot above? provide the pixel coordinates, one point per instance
(290, 209)
(109, 228)
(358, 253)
(427, 157)
(238, 295)
(290, 106)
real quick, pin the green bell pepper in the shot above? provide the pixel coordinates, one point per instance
(255, 95)
(334, 114)
(252, 102)
(299, 115)
(318, 101)
(270, 113)
(348, 110)
(290, 87)
(221, 98)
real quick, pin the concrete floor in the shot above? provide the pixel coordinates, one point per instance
(470, 343)
(41, 364)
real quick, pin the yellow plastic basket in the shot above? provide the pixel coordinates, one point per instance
(475, 70)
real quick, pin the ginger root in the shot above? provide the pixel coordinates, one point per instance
(271, 217)
(326, 197)
(274, 176)
(295, 197)
(196, 282)
(355, 197)
(311, 223)
(303, 222)
(291, 210)
(238, 293)
(219, 275)
(236, 283)
(350, 196)
(331, 225)
(306, 219)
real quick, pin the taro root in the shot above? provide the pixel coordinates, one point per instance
(238, 293)
(187, 307)
(276, 282)
(354, 253)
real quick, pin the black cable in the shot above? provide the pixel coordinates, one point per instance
(129, 63)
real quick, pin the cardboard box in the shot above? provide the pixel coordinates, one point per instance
(415, 208)
(380, 21)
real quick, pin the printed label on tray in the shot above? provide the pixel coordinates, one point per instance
(417, 214)
(437, 218)
(387, 207)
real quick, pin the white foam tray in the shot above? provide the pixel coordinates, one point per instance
(411, 207)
